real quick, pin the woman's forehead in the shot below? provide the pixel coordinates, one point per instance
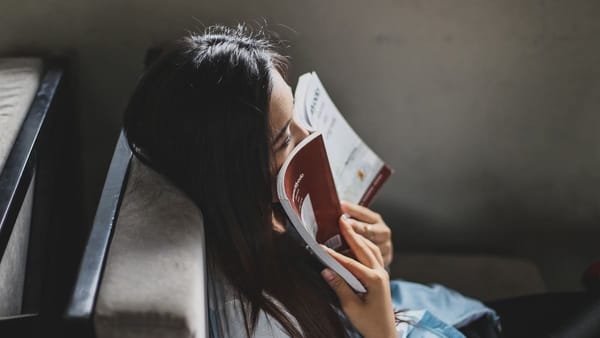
(281, 106)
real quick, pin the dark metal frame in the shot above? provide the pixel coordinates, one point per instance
(20, 163)
(80, 311)
(28, 156)
(79, 314)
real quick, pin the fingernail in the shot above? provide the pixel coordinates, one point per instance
(345, 216)
(328, 275)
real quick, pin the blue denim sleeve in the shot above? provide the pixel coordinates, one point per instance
(442, 309)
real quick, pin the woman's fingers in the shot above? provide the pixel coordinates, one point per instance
(359, 270)
(371, 313)
(359, 212)
(386, 252)
(371, 226)
(357, 245)
(376, 233)
(345, 294)
(373, 279)
(375, 250)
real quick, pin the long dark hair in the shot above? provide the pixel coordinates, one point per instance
(199, 116)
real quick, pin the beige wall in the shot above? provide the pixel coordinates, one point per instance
(488, 110)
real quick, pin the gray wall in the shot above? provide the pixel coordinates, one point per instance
(488, 110)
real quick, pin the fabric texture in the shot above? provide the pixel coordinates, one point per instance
(14, 262)
(19, 81)
(154, 279)
(434, 310)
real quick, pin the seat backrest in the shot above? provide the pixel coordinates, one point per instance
(19, 81)
(153, 283)
(14, 262)
(143, 270)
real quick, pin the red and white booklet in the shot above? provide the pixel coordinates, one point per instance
(357, 171)
(330, 163)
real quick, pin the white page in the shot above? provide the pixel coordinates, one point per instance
(353, 164)
(307, 214)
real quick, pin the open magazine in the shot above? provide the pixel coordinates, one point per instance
(357, 171)
(330, 163)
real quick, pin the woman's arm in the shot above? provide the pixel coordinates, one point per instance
(371, 226)
(371, 313)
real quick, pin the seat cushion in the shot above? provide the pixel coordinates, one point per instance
(14, 261)
(19, 81)
(154, 279)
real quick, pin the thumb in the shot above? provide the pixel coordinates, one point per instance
(339, 286)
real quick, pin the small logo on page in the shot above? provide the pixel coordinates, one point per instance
(361, 174)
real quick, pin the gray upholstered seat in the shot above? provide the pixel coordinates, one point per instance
(14, 262)
(19, 81)
(154, 278)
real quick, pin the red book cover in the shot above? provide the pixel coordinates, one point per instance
(384, 173)
(309, 186)
(307, 193)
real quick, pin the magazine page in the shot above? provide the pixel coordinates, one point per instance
(307, 194)
(358, 172)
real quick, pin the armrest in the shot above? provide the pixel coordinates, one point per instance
(18, 168)
(80, 309)
(154, 279)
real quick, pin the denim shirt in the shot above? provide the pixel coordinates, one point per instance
(434, 311)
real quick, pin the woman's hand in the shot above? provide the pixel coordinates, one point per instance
(370, 225)
(371, 313)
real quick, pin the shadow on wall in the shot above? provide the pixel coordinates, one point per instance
(416, 231)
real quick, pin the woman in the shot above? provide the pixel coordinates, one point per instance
(215, 115)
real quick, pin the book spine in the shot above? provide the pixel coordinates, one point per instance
(382, 176)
